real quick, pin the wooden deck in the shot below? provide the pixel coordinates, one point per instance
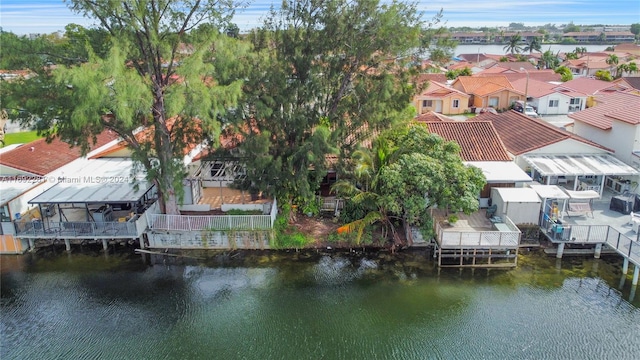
(216, 196)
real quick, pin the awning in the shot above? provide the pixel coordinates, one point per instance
(583, 195)
(501, 171)
(579, 165)
(549, 191)
(100, 181)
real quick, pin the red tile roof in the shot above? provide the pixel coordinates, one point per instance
(620, 106)
(478, 140)
(540, 75)
(521, 134)
(471, 83)
(440, 90)
(422, 78)
(538, 89)
(431, 116)
(586, 85)
(41, 158)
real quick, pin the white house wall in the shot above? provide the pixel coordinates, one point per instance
(569, 146)
(542, 104)
(622, 138)
(20, 204)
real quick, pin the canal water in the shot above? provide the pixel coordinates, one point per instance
(313, 306)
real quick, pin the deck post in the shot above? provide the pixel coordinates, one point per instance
(598, 251)
(67, 244)
(105, 245)
(625, 266)
(636, 274)
(32, 245)
(560, 250)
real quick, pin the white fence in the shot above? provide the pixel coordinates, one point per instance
(213, 222)
(468, 239)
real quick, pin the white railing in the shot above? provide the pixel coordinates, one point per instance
(331, 204)
(76, 229)
(479, 239)
(213, 222)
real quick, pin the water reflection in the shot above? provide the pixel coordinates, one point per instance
(313, 305)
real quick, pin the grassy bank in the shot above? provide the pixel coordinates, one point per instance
(20, 137)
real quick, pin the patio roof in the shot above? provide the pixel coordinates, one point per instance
(500, 171)
(549, 191)
(100, 181)
(575, 165)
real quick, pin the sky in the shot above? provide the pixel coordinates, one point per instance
(47, 16)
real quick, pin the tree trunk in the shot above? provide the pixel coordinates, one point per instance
(164, 147)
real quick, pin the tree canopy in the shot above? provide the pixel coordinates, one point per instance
(326, 76)
(406, 173)
(155, 76)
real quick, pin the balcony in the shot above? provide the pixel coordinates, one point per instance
(77, 230)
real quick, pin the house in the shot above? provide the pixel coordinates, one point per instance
(42, 158)
(105, 199)
(488, 91)
(14, 190)
(590, 63)
(480, 146)
(552, 155)
(550, 99)
(596, 36)
(630, 82)
(590, 87)
(613, 122)
(441, 98)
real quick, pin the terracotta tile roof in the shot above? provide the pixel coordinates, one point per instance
(632, 81)
(460, 65)
(474, 57)
(620, 106)
(521, 134)
(478, 140)
(515, 65)
(586, 85)
(422, 78)
(471, 83)
(535, 88)
(540, 75)
(41, 158)
(493, 70)
(489, 88)
(439, 90)
(431, 116)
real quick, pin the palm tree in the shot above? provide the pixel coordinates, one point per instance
(621, 69)
(633, 68)
(364, 188)
(549, 60)
(579, 51)
(613, 60)
(533, 45)
(514, 44)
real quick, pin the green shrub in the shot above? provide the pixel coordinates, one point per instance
(286, 236)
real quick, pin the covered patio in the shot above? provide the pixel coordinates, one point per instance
(107, 203)
(579, 172)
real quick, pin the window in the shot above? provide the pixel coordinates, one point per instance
(456, 103)
(493, 102)
(553, 103)
(427, 103)
(574, 101)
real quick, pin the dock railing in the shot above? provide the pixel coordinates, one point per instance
(451, 239)
(76, 229)
(213, 222)
(593, 234)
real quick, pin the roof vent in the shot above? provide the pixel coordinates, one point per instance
(32, 149)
